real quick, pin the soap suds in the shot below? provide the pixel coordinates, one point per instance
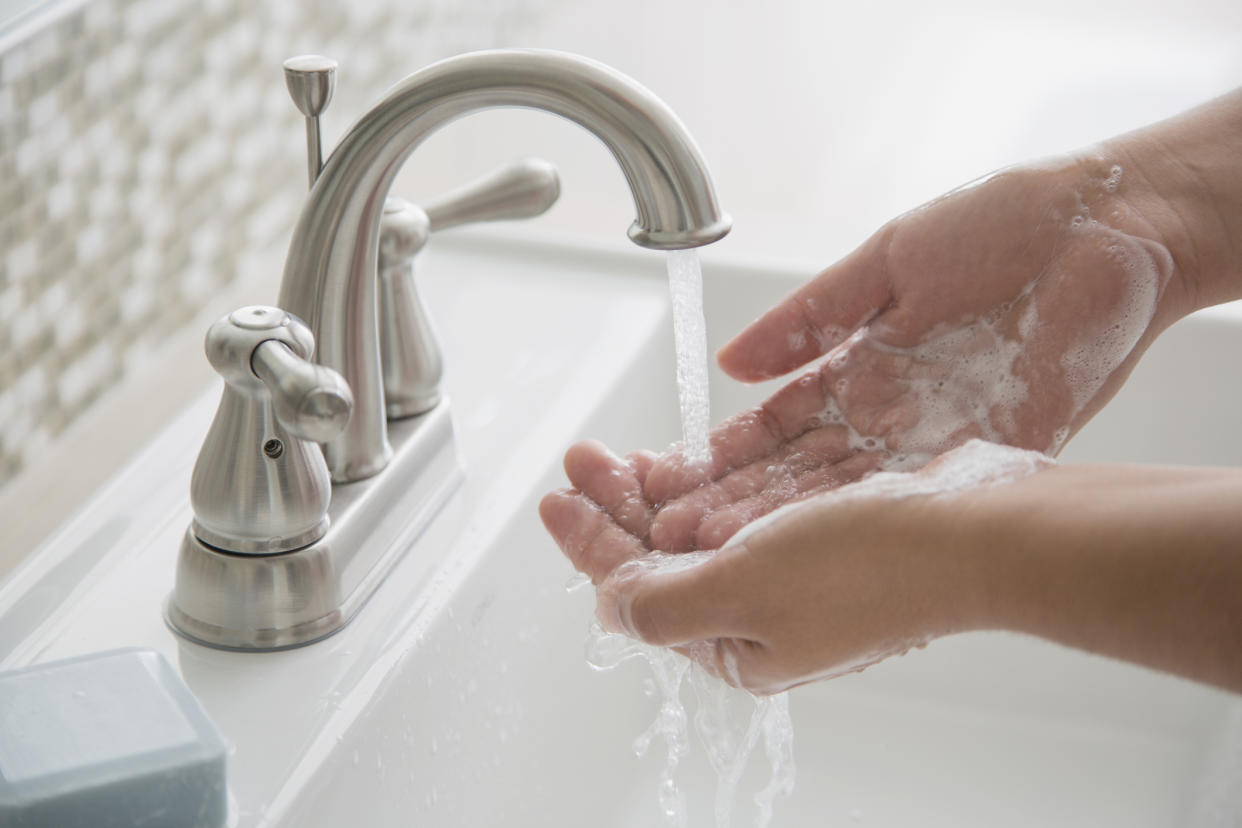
(975, 464)
(1103, 346)
(1114, 178)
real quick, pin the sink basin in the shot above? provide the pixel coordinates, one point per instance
(460, 695)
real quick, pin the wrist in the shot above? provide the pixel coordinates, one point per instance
(962, 585)
(1183, 178)
(1134, 562)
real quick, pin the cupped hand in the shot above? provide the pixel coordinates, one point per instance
(1009, 310)
(837, 583)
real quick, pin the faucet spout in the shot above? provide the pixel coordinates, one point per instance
(330, 273)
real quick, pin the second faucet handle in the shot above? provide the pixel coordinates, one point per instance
(409, 354)
(524, 189)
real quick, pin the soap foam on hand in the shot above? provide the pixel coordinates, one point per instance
(975, 464)
(1025, 373)
(1104, 346)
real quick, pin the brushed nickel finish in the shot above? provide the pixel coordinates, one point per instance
(260, 485)
(311, 80)
(330, 273)
(409, 355)
(524, 189)
(288, 542)
(274, 602)
(310, 401)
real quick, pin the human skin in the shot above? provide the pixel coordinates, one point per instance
(1138, 563)
(1058, 275)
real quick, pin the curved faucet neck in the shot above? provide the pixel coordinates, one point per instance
(330, 273)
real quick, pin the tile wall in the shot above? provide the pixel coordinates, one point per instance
(150, 156)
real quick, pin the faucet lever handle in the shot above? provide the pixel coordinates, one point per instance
(409, 356)
(311, 401)
(260, 485)
(523, 189)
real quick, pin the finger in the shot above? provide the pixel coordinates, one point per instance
(774, 478)
(641, 462)
(813, 319)
(610, 482)
(588, 536)
(719, 526)
(674, 600)
(802, 405)
(675, 527)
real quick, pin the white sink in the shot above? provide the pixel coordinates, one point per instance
(460, 695)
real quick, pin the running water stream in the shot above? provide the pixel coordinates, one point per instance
(726, 732)
(685, 284)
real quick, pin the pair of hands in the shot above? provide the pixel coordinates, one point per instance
(1009, 310)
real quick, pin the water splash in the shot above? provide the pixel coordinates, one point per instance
(604, 651)
(685, 282)
(577, 581)
(727, 732)
(729, 736)
(721, 709)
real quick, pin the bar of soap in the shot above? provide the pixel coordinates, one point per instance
(108, 739)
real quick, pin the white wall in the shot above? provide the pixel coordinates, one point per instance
(822, 120)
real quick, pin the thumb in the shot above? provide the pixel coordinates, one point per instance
(672, 599)
(814, 319)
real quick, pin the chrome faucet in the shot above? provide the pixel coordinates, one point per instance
(348, 276)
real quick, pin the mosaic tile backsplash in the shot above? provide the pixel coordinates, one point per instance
(149, 155)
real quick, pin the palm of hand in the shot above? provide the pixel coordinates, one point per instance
(1009, 310)
(1006, 311)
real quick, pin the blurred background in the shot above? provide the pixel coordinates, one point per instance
(151, 164)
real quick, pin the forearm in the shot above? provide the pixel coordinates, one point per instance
(1189, 185)
(1139, 563)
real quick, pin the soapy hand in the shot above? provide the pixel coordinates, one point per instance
(1010, 310)
(859, 562)
(1138, 563)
